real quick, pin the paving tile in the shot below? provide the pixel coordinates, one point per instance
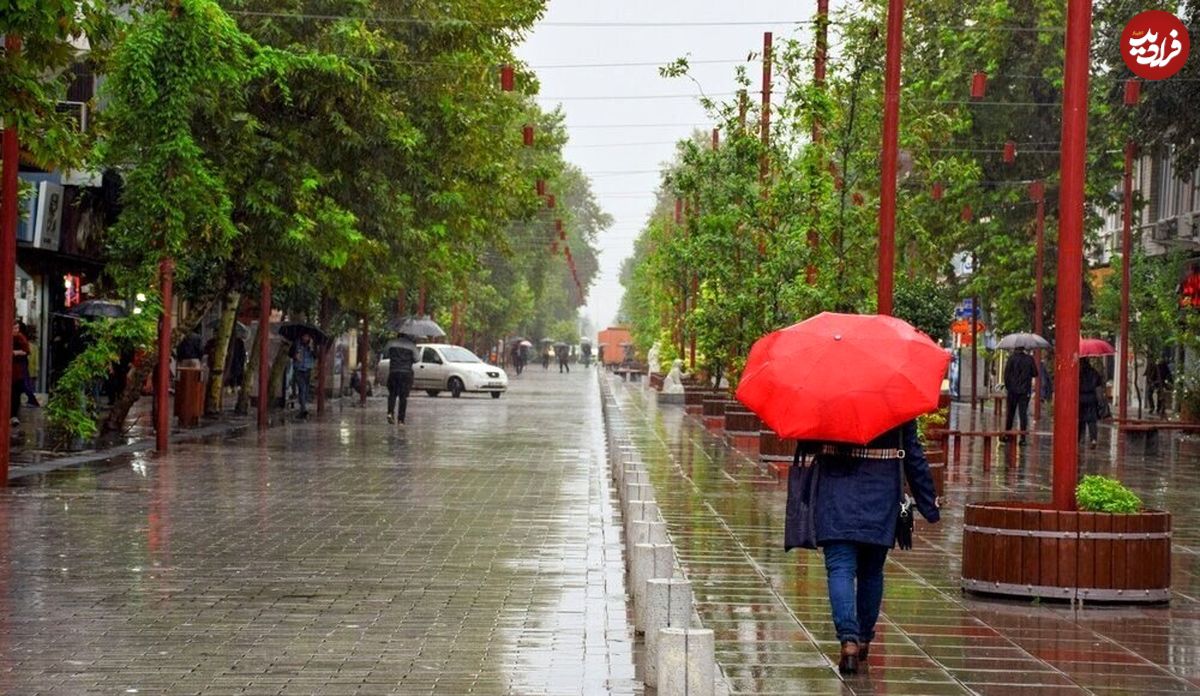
(477, 551)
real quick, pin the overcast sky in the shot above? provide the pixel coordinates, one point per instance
(618, 139)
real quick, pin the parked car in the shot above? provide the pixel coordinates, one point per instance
(442, 367)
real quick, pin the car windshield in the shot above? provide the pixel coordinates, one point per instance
(456, 354)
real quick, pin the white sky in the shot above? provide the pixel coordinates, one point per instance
(623, 162)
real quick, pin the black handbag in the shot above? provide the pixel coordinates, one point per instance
(800, 518)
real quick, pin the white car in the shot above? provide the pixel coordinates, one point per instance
(442, 367)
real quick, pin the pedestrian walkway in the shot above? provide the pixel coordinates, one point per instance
(770, 614)
(474, 552)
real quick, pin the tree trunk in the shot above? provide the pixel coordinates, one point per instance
(278, 368)
(250, 378)
(115, 422)
(225, 329)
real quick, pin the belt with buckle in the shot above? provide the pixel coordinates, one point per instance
(862, 452)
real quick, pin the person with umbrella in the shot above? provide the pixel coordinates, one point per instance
(20, 369)
(517, 357)
(304, 358)
(1090, 382)
(563, 351)
(401, 354)
(546, 348)
(1019, 372)
(848, 387)
(585, 352)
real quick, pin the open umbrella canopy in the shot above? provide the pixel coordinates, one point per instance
(842, 377)
(1089, 347)
(561, 344)
(585, 341)
(417, 327)
(292, 331)
(1022, 340)
(547, 340)
(91, 309)
(526, 343)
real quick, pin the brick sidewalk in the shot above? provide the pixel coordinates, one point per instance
(771, 617)
(474, 552)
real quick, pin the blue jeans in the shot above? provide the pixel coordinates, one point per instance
(855, 574)
(301, 377)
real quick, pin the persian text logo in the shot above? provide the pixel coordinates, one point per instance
(1155, 45)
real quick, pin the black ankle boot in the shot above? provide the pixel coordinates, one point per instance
(849, 662)
(864, 649)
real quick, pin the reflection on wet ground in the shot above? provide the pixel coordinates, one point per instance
(473, 552)
(770, 613)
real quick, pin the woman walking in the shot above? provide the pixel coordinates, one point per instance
(1089, 401)
(857, 504)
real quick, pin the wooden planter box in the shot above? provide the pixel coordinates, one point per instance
(714, 410)
(693, 398)
(656, 380)
(742, 428)
(1031, 550)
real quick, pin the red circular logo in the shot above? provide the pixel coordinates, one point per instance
(1155, 45)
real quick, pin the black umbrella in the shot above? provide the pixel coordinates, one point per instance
(418, 327)
(547, 340)
(561, 344)
(98, 308)
(238, 327)
(294, 330)
(585, 341)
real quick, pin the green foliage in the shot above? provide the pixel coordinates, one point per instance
(926, 305)
(72, 410)
(937, 419)
(1103, 494)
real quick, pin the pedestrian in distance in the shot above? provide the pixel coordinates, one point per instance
(1152, 385)
(546, 358)
(1090, 382)
(859, 494)
(304, 358)
(20, 368)
(30, 367)
(1166, 381)
(564, 354)
(517, 358)
(1018, 383)
(401, 354)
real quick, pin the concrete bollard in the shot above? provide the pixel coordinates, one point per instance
(686, 662)
(644, 532)
(640, 511)
(649, 561)
(668, 605)
(636, 475)
(638, 491)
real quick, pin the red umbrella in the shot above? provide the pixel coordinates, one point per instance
(842, 377)
(1089, 347)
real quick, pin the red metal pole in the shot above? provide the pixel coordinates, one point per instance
(264, 369)
(162, 386)
(1126, 259)
(891, 145)
(363, 355)
(974, 345)
(1039, 193)
(716, 139)
(322, 356)
(8, 272)
(692, 338)
(1070, 253)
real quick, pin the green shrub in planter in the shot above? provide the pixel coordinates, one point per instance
(1103, 494)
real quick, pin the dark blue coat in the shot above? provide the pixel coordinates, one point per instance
(858, 499)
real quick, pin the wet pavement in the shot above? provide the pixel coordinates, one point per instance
(770, 615)
(473, 552)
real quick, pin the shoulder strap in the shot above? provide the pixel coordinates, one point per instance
(796, 458)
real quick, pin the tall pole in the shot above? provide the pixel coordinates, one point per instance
(162, 383)
(1038, 191)
(322, 355)
(891, 146)
(764, 163)
(1126, 259)
(11, 152)
(1069, 292)
(822, 45)
(264, 369)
